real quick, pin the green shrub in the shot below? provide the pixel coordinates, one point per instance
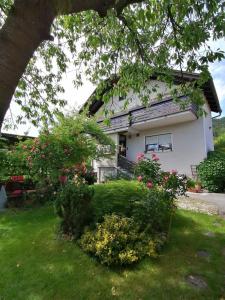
(148, 170)
(119, 176)
(154, 211)
(117, 197)
(118, 241)
(212, 172)
(220, 143)
(73, 206)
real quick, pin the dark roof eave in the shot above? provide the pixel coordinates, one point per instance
(208, 88)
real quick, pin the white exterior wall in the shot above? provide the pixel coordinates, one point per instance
(106, 163)
(118, 106)
(188, 141)
(191, 140)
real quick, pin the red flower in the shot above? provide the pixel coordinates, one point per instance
(139, 178)
(149, 184)
(63, 179)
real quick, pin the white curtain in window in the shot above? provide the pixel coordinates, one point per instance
(165, 142)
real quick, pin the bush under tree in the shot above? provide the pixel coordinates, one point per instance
(73, 206)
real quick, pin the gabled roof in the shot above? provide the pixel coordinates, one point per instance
(95, 101)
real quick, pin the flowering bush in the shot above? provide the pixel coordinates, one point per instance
(60, 152)
(149, 172)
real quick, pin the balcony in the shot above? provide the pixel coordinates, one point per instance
(159, 114)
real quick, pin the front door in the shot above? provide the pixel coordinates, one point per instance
(122, 145)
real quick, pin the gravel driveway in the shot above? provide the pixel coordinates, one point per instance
(210, 203)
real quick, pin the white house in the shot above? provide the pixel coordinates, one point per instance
(180, 138)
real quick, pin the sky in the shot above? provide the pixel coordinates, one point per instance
(76, 97)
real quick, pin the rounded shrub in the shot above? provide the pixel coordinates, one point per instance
(212, 172)
(119, 241)
(73, 206)
(117, 197)
(153, 212)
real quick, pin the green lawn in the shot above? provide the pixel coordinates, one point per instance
(34, 264)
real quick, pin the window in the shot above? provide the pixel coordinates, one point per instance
(105, 149)
(158, 143)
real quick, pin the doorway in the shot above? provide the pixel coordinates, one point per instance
(122, 145)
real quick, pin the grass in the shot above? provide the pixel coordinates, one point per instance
(35, 265)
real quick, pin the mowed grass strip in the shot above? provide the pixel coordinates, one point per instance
(35, 264)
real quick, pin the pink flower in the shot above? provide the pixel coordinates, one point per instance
(140, 156)
(155, 158)
(173, 172)
(166, 178)
(139, 178)
(43, 155)
(149, 184)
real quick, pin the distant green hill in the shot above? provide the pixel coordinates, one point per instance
(218, 126)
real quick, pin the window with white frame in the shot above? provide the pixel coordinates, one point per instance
(158, 143)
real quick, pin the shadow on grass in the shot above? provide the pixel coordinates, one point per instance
(54, 269)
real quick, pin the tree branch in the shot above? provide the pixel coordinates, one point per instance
(100, 6)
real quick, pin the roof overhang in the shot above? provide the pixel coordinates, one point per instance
(94, 102)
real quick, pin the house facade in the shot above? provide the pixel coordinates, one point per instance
(180, 138)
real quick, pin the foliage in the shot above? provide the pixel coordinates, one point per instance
(191, 183)
(120, 175)
(134, 41)
(118, 241)
(3, 158)
(151, 208)
(29, 248)
(218, 127)
(153, 212)
(73, 206)
(116, 197)
(88, 174)
(60, 151)
(149, 172)
(212, 172)
(220, 143)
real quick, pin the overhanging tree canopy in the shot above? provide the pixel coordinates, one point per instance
(40, 40)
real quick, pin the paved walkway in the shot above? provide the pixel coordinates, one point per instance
(210, 203)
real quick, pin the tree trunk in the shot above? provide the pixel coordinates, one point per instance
(27, 26)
